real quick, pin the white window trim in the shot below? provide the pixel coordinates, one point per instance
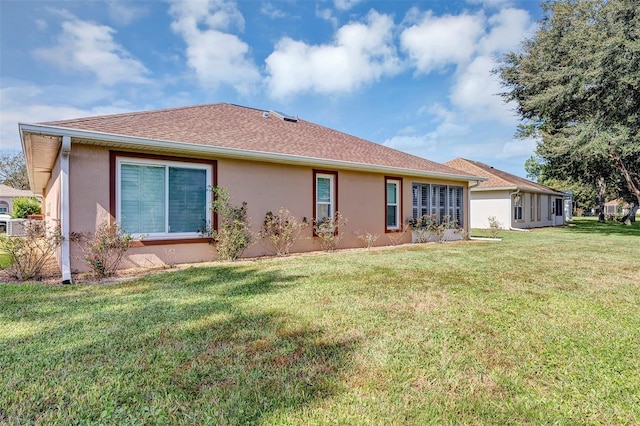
(396, 183)
(332, 197)
(159, 163)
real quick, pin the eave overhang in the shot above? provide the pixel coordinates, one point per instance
(31, 133)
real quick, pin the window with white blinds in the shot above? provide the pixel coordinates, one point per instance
(325, 203)
(162, 198)
(393, 197)
(438, 200)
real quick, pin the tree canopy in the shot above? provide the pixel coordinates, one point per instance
(576, 84)
(13, 171)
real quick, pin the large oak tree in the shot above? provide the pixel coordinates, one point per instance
(576, 84)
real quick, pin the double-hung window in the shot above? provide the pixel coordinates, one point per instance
(325, 195)
(517, 207)
(393, 197)
(162, 199)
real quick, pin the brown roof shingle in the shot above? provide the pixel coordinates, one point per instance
(237, 127)
(497, 178)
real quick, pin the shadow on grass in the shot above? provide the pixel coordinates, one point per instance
(592, 226)
(182, 347)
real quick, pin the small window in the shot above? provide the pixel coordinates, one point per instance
(517, 207)
(325, 195)
(393, 196)
(4, 207)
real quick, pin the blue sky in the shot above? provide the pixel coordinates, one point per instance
(412, 75)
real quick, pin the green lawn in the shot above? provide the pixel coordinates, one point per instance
(541, 328)
(5, 260)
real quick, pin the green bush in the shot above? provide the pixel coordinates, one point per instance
(25, 206)
(233, 235)
(329, 231)
(280, 232)
(28, 254)
(103, 250)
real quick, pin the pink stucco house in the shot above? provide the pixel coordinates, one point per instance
(149, 171)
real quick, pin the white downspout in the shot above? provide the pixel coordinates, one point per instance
(511, 228)
(65, 265)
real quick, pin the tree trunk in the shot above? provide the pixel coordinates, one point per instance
(631, 216)
(602, 187)
(633, 186)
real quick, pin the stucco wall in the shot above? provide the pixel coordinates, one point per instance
(499, 204)
(264, 186)
(490, 203)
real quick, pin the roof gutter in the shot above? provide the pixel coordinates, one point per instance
(191, 148)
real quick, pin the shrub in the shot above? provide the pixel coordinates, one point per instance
(233, 235)
(25, 206)
(368, 238)
(423, 227)
(329, 231)
(103, 250)
(28, 254)
(494, 227)
(427, 226)
(280, 232)
(396, 237)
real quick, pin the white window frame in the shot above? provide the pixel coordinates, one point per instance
(332, 194)
(518, 203)
(166, 164)
(398, 184)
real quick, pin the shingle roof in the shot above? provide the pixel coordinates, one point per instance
(497, 179)
(8, 191)
(237, 127)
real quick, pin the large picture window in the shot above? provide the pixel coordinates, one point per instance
(439, 201)
(162, 198)
(324, 190)
(393, 196)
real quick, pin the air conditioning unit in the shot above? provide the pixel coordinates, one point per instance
(11, 227)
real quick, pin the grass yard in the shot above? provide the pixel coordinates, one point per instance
(5, 260)
(541, 328)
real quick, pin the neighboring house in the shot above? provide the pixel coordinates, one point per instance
(515, 202)
(7, 195)
(150, 172)
(616, 207)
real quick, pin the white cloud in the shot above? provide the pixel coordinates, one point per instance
(41, 24)
(216, 56)
(492, 3)
(345, 4)
(476, 90)
(125, 12)
(517, 148)
(90, 48)
(360, 54)
(268, 9)
(508, 28)
(327, 15)
(437, 41)
(26, 104)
